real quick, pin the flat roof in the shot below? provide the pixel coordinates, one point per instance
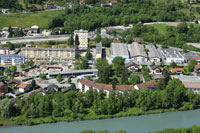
(153, 52)
(187, 79)
(99, 48)
(136, 49)
(172, 53)
(119, 49)
(81, 31)
(73, 71)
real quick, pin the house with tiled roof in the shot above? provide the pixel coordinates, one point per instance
(148, 85)
(3, 88)
(105, 87)
(122, 88)
(177, 70)
(113, 2)
(84, 85)
(23, 87)
(132, 66)
(197, 68)
(156, 70)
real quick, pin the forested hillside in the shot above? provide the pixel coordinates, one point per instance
(128, 13)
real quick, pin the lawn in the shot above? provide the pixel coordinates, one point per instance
(162, 28)
(26, 20)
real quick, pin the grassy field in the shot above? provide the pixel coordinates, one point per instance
(26, 20)
(162, 28)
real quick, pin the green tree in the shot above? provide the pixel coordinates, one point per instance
(191, 65)
(76, 40)
(84, 63)
(58, 78)
(70, 41)
(134, 79)
(173, 65)
(97, 38)
(13, 69)
(88, 54)
(33, 84)
(43, 76)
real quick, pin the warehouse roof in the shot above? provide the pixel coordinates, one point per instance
(153, 53)
(119, 49)
(137, 49)
(172, 53)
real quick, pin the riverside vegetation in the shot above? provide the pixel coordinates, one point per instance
(74, 105)
(194, 129)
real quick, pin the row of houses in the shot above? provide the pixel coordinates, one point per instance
(144, 53)
(32, 29)
(84, 85)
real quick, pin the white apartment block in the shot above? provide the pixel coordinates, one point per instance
(83, 38)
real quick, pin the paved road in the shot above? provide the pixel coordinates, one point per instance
(35, 40)
(168, 23)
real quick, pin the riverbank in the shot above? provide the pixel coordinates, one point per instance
(21, 120)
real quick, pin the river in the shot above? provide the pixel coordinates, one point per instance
(132, 124)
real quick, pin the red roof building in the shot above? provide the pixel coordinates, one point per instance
(148, 85)
(177, 70)
(125, 87)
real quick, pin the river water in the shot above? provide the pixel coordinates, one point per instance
(132, 124)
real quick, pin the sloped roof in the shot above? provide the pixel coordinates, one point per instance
(103, 86)
(87, 82)
(174, 70)
(1, 84)
(23, 85)
(125, 87)
(149, 84)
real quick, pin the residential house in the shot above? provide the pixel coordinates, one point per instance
(14, 82)
(1, 95)
(84, 85)
(105, 5)
(82, 2)
(137, 52)
(4, 51)
(53, 87)
(50, 6)
(3, 88)
(71, 5)
(197, 68)
(105, 87)
(148, 85)
(122, 88)
(113, 2)
(132, 66)
(197, 59)
(5, 11)
(177, 70)
(156, 70)
(23, 87)
(157, 77)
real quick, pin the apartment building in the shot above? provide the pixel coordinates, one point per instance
(9, 60)
(43, 53)
(83, 38)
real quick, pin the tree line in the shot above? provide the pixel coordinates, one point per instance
(76, 105)
(83, 17)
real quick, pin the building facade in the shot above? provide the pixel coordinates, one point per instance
(153, 54)
(41, 52)
(83, 38)
(4, 51)
(9, 60)
(119, 49)
(137, 52)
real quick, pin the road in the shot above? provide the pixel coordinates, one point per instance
(168, 23)
(26, 40)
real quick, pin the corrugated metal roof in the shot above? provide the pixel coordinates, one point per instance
(136, 49)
